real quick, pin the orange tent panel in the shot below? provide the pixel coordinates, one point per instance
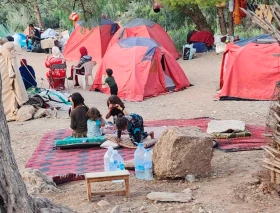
(149, 29)
(249, 72)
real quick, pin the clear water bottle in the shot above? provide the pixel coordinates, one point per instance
(107, 159)
(116, 161)
(139, 161)
(148, 165)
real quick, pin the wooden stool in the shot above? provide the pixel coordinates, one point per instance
(107, 176)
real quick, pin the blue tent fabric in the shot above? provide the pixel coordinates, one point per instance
(140, 41)
(244, 42)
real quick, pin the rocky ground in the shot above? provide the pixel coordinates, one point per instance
(234, 184)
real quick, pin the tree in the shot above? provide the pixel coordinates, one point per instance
(13, 193)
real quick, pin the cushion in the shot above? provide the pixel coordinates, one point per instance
(109, 143)
(70, 142)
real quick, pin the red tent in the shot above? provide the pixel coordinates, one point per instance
(249, 72)
(141, 69)
(145, 28)
(95, 40)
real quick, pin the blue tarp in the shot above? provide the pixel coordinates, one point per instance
(140, 41)
(244, 42)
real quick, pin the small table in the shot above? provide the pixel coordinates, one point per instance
(107, 176)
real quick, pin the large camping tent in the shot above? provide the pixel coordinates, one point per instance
(95, 40)
(144, 28)
(13, 90)
(141, 68)
(249, 72)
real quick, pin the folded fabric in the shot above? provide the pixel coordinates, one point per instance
(242, 134)
(225, 126)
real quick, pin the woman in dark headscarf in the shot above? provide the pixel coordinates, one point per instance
(83, 59)
(27, 74)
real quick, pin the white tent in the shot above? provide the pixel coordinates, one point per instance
(13, 91)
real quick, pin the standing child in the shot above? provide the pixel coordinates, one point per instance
(94, 123)
(110, 80)
(78, 116)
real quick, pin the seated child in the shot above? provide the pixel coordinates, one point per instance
(78, 116)
(134, 125)
(94, 122)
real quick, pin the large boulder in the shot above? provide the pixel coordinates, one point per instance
(182, 151)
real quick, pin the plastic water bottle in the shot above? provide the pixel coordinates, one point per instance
(116, 161)
(107, 159)
(148, 165)
(139, 161)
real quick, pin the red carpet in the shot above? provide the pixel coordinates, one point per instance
(228, 145)
(70, 164)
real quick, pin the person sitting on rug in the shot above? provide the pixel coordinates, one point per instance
(27, 74)
(94, 123)
(78, 116)
(115, 107)
(83, 59)
(135, 127)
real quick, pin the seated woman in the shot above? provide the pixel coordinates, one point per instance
(135, 127)
(83, 59)
(56, 78)
(78, 116)
(115, 107)
(27, 74)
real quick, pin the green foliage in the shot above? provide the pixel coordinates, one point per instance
(201, 3)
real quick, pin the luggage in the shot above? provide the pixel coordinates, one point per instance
(188, 51)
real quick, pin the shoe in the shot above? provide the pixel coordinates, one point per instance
(70, 78)
(76, 85)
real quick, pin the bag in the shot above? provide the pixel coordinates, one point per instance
(188, 51)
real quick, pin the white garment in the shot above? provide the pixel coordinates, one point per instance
(93, 128)
(231, 5)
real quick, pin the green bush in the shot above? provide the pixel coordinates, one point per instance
(179, 36)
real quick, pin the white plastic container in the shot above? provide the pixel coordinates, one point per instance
(139, 162)
(148, 165)
(107, 159)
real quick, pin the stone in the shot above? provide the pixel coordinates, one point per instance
(116, 209)
(25, 113)
(142, 208)
(190, 178)
(225, 126)
(41, 112)
(182, 151)
(103, 203)
(170, 197)
(36, 182)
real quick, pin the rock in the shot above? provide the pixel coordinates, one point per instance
(201, 210)
(37, 182)
(41, 112)
(25, 113)
(190, 178)
(225, 126)
(103, 203)
(129, 164)
(116, 209)
(182, 151)
(170, 197)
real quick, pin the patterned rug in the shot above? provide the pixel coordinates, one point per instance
(65, 165)
(253, 142)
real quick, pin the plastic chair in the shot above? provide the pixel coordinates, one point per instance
(61, 85)
(88, 67)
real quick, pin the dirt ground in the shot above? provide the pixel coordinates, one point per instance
(233, 186)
